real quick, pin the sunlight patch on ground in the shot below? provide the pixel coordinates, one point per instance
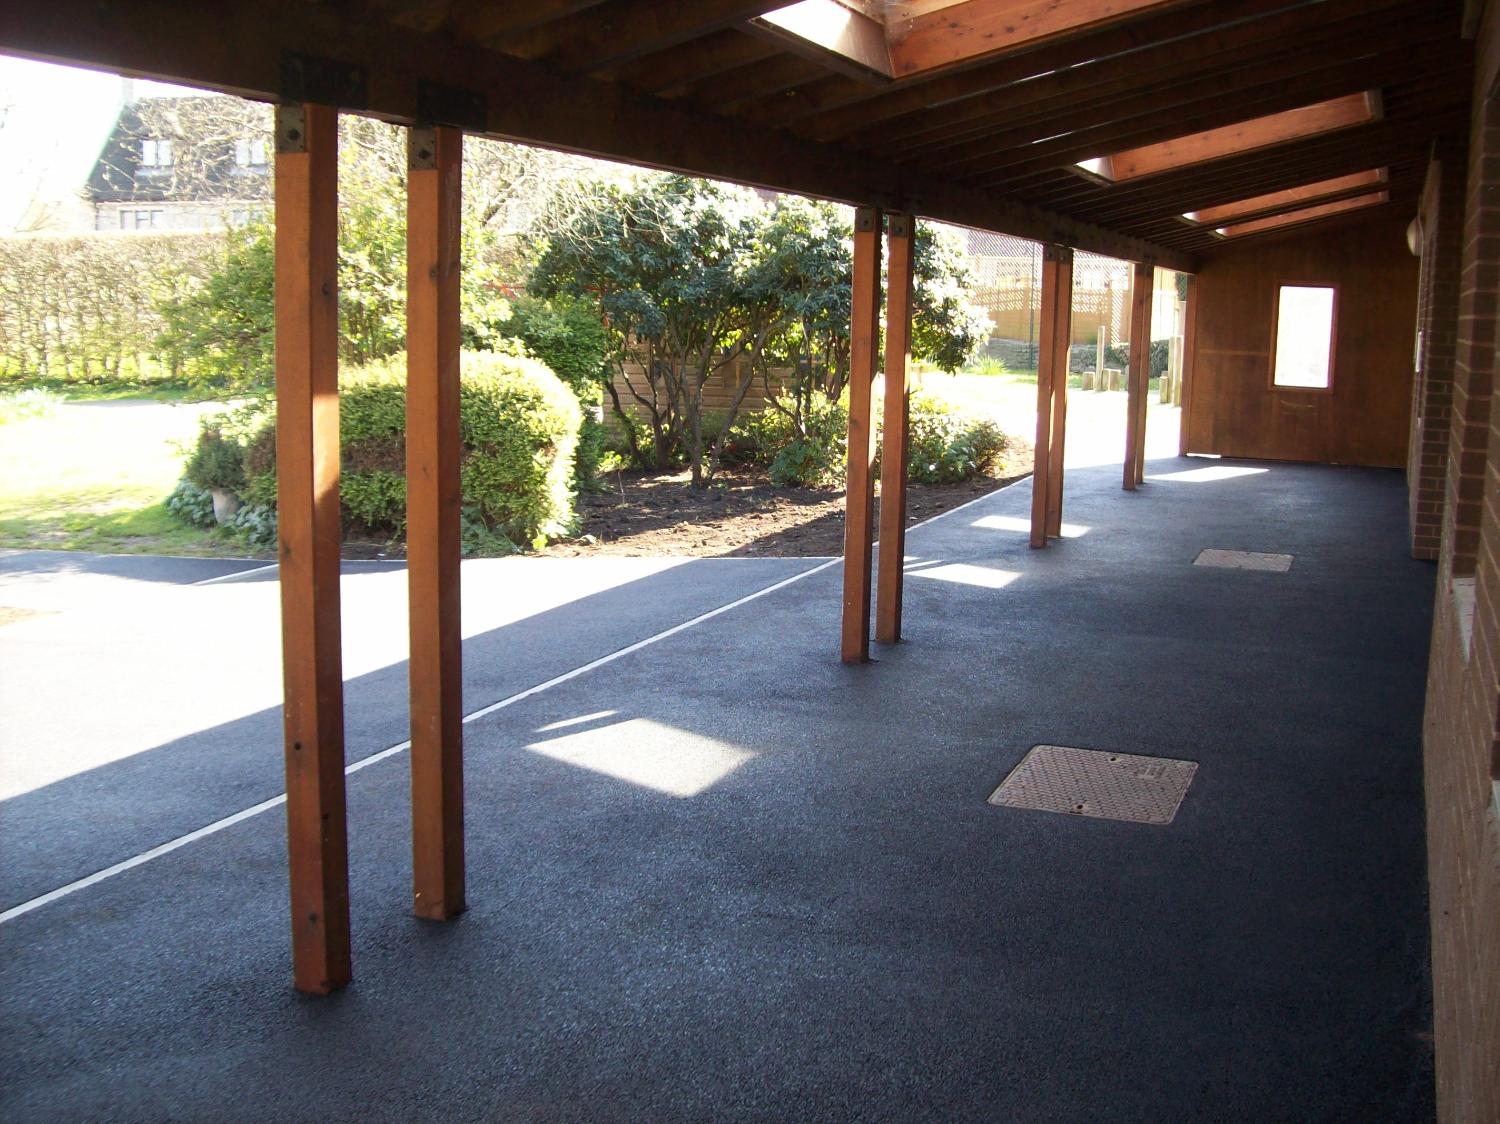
(1023, 526)
(650, 754)
(965, 574)
(1207, 475)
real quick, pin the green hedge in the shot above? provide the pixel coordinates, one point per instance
(520, 429)
(945, 445)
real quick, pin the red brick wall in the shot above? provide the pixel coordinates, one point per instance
(1461, 762)
(1442, 214)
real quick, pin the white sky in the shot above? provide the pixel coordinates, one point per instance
(53, 122)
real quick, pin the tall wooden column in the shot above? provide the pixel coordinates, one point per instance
(307, 499)
(433, 534)
(894, 438)
(1189, 357)
(859, 503)
(1051, 393)
(1138, 380)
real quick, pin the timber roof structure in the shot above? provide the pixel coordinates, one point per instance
(1008, 115)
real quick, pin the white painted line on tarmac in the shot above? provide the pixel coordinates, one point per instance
(365, 762)
(237, 574)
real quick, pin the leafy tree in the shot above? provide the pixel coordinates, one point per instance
(688, 276)
(811, 260)
(665, 261)
(221, 331)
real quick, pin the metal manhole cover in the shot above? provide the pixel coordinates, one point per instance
(1086, 782)
(1244, 560)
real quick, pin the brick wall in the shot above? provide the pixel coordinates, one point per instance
(1442, 215)
(1461, 759)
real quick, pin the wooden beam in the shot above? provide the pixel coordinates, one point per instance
(1053, 342)
(859, 503)
(965, 31)
(485, 20)
(1102, 91)
(836, 108)
(621, 30)
(433, 538)
(1137, 139)
(1314, 158)
(671, 73)
(240, 50)
(894, 438)
(1138, 381)
(728, 92)
(1291, 198)
(308, 527)
(1062, 338)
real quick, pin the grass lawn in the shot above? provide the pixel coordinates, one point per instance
(93, 475)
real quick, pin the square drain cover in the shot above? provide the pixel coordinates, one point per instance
(1085, 782)
(1244, 560)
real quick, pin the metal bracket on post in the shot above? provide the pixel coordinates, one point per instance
(291, 128)
(865, 218)
(421, 148)
(900, 226)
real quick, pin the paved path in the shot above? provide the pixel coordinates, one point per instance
(723, 876)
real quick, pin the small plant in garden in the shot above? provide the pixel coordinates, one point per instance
(192, 505)
(217, 462)
(256, 525)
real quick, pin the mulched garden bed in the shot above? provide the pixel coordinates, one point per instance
(742, 515)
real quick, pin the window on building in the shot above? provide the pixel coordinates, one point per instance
(1305, 325)
(151, 219)
(156, 153)
(250, 153)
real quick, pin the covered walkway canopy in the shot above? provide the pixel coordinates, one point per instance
(1258, 144)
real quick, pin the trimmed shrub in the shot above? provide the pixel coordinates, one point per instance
(519, 430)
(946, 445)
(568, 336)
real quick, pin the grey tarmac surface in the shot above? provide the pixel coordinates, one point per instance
(726, 877)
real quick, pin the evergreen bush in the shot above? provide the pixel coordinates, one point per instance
(519, 427)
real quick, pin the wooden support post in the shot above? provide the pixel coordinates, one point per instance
(1063, 339)
(433, 534)
(1138, 381)
(307, 499)
(1189, 359)
(859, 502)
(1052, 367)
(894, 439)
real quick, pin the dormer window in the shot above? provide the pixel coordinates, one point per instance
(250, 153)
(156, 153)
